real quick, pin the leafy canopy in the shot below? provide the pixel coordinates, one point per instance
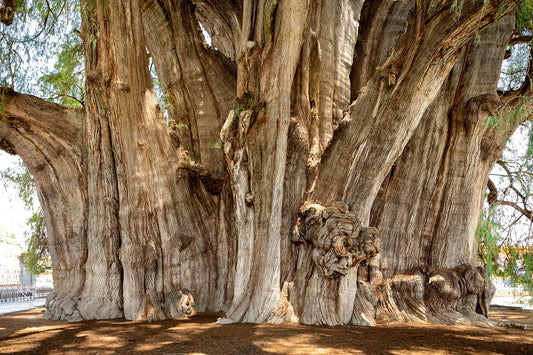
(40, 53)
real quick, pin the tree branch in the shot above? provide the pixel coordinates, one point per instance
(526, 89)
(504, 167)
(199, 83)
(27, 121)
(516, 39)
(492, 197)
(526, 213)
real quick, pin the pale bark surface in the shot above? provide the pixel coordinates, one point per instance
(323, 162)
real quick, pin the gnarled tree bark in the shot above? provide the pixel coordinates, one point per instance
(324, 162)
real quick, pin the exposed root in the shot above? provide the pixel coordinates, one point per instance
(284, 312)
(177, 304)
(443, 296)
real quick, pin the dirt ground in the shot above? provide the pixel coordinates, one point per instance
(27, 333)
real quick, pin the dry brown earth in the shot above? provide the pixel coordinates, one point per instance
(27, 333)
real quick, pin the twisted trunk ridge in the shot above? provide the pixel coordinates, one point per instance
(321, 162)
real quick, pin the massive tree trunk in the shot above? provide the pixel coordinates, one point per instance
(326, 162)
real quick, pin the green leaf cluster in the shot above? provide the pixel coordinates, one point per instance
(7, 237)
(21, 179)
(488, 238)
(37, 257)
(500, 258)
(65, 83)
(524, 16)
(29, 48)
(246, 102)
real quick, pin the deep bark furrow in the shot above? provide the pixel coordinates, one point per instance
(198, 83)
(222, 21)
(376, 142)
(48, 139)
(266, 149)
(258, 195)
(383, 22)
(452, 171)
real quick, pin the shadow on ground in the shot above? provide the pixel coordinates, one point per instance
(26, 332)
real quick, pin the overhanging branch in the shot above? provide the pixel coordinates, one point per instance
(27, 120)
(516, 39)
(526, 213)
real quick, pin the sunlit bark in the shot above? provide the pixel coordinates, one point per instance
(305, 125)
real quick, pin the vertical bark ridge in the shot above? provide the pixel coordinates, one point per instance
(448, 147)
(392, 112)
(211, 203)
(198, 83)
(383, 22)
(266, 171)
(222, 21)
(144, 197)
(475, 102)
(320, 95)
(336, 31)
(48, 139)
(376, 140)
(185, 67)
(412, 227)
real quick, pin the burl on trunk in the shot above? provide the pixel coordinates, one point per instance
(321, 161)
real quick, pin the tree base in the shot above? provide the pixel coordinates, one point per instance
(443, 296)
(74, 309)
(177, 304)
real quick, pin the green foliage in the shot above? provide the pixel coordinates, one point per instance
(21, 178)
(487, 237)
(173, 124)
(494, 120)
(500, 12)
(500, 257)
(244, 103)
(2, 105)
(29, 47)
(37, 251)
(65, 82)
(524, 15)
(505, 241)
(515, 68)
(215, 144)
(7, 237)
(457, 7)
(37, 258)
(529, 151)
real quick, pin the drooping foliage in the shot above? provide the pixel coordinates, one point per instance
(37, 257)
(40, 51)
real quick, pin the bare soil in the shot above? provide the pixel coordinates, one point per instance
(27, 333)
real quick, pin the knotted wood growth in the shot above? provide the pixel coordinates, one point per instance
(459, 295)
(379, 104)
(339, 241)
